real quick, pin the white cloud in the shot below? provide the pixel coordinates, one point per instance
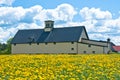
(35, 14)
(99, 24)
(10, 15)
(95, 13)
(13, 15)
(116, 39)
(64, 12)
(28, 26)
(4, 35)
(95, 19)
(98, 36)
(114, 23)
(6, 2)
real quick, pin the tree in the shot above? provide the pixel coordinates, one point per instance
(9, 46)
(6, 48)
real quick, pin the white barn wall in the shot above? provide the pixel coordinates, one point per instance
(106, 49)
(83, 35)
(84, 47)
(63, 47)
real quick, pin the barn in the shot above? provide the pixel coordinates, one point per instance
(72, 39)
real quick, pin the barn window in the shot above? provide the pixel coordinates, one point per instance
(51, 24)
(72, 48)
(47, 25)
(84, 52)
(37, 43)
(46, 43)
(93, 52)
(72, 42)
(14, 44)
(89, 45)
(54, 43)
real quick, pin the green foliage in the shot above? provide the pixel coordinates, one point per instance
(5, 48)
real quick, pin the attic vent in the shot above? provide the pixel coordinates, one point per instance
(49, 24)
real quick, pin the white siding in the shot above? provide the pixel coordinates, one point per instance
(86, 48)
(47, 29)
(65, 47)
(83, 35)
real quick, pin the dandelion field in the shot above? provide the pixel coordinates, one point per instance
(60, 67)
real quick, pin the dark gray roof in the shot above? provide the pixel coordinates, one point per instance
(67, 34)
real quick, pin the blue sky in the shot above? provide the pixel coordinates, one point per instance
(100, 17)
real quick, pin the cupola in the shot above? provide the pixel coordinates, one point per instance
(49, 24)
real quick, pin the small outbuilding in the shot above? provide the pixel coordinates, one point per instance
(72, 39)
(116, 49)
